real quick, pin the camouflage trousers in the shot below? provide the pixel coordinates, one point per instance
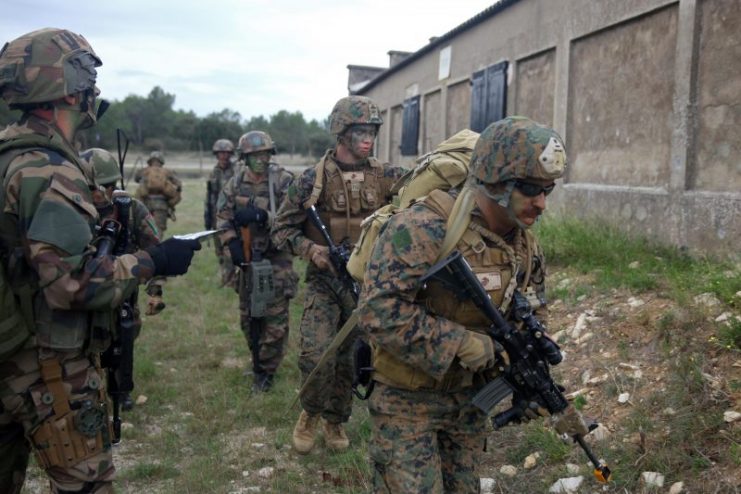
(425, 441)
(326, 308)
(160, 212)
(28, 416)
(226, 268)
(266, 336)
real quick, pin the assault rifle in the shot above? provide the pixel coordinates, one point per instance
(118, 358)
(530, 352)
(338, 256)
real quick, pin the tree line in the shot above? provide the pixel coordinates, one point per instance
(151, 123)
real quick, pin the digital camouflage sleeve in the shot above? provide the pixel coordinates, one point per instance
(405, 250)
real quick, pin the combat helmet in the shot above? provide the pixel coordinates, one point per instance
(46, 65)
(104, 165)
(353, 110)
(517, 148)
(156, 155)
(255, 141)
(223, 146)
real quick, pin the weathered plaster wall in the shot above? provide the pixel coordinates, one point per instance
(535, 87)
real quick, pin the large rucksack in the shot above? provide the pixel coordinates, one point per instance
(444, 168)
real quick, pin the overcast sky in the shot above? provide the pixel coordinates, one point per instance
(253, 56)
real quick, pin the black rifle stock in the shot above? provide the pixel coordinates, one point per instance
(118, 358)
(338, 256)
(208, 213)
(530, 352)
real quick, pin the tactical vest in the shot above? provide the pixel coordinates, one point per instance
(497, 265)
(345, 198)
(24, 309)
(255, 189)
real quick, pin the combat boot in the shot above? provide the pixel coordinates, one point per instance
(304, 433)
(262, 382)
(127, 403)
(335, 437)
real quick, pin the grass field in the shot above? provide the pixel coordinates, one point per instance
(202, 430)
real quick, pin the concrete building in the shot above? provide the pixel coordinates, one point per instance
(646, 93)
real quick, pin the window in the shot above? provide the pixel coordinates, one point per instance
(410, 127)
(488, 96)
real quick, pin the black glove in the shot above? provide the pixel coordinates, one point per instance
(172, 257)
(250, 214)
(235, 249)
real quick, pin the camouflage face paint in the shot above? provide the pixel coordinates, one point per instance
(360, 140)
(258, 162)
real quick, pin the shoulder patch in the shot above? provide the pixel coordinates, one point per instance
(401, 239)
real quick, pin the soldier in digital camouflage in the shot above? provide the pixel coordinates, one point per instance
(222, 171)
(430, 350)
(346, 185)
(246, 210)
(160, 190)
(57, 293)
(142, 231)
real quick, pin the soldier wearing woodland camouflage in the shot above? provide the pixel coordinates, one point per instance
(347, 185)
(247, 208)
(224, 169)
(430, 350)
(159, 189)
(142, 232)
(57, 292)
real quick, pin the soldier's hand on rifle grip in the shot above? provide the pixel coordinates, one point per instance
(155, 305)
(570, 422)
(173, 256)
(477, 351)
(319, 255)
(236, 252)
(250, 214)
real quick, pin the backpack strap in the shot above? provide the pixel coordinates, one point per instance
(318, 182)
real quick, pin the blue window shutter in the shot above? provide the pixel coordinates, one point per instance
(478, 101)
(496, 92)
(410, 127)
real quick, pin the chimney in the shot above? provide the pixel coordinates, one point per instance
(395, 57)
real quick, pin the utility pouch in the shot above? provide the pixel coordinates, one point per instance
(262, 287)
(66, 441)
(363, 369)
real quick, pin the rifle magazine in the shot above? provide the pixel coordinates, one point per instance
(491, 394)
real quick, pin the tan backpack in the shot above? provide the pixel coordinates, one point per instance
(444, 168)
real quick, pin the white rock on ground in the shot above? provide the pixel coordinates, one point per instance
(266, 472)
(567, 485)
(624, 397)
(707, 299)
(731, 416)
(487, 486)
(652, 479)
(635, 302)
(572, 468)
(676, 488)
(508, 470)
(141, 399)
(531, 461)
(600, 433)
(581, 324)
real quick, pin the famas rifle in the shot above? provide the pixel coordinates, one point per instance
(118, 359)
(531, 353)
